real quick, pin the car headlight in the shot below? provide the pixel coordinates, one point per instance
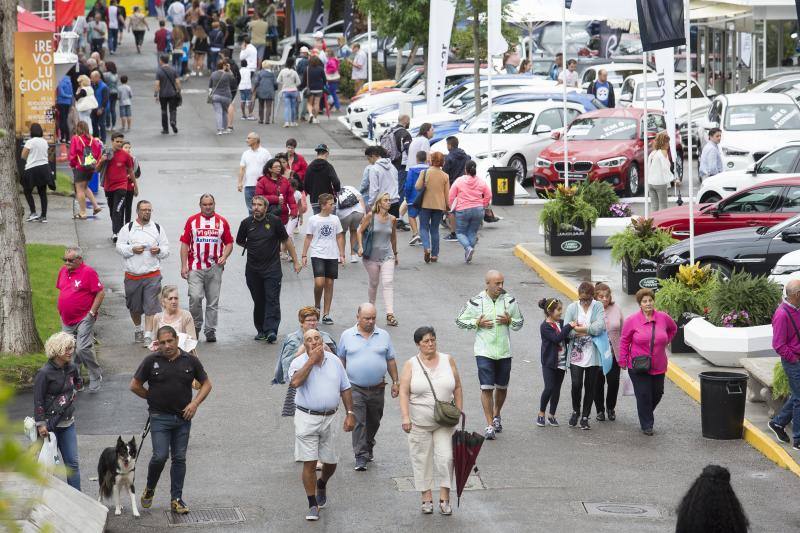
(495, 154)
(734, 152)
(541, 162)
(780, 270)
(613, 162)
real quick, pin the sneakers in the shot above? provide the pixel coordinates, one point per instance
(260, 337)
(327, 320)
(489, 433)
(540, 421)
(612, 415)
(416, 240)
(573, 420)
(148, 340)
(552, 421)
(796, 445)
(147, 497)
(401, 225)
(32, 217)
(211, 336)
(322, 498)
(468, 254)
(427, 507)
(138, 337)
(497, 423)
(585, 424)
(444, 508)
(312, 514)
(780, 432)
(648, 432)
(450, 237)
(601, 416)
(353, 258)
(361, 464)
(43, 220)
(286, 124)
(178, 506)
(94, 386)
(271, 337)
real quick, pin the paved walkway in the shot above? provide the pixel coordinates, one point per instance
(241, 449)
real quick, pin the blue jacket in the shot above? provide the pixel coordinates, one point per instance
(551, 341)
(101, 95)
(64, 95)
(410, 191)
(597, 326)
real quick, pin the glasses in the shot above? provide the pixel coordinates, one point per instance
(70, 259)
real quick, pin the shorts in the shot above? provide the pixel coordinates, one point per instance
(246, 95)
(79, 175)
(125, 111)
(315, 438)
(493, 373)
(351, 221)
(413, 212)
(325, 268)
(141, 295)
(315, 93)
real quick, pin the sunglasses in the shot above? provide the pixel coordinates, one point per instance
(70, 259)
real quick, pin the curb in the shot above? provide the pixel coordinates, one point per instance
(752, 435)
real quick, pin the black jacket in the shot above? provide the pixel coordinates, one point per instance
(50, 384)
(593, 91)
(454, 163)
(402, 139)
(316, 78)
(551, 340)
(321, 178)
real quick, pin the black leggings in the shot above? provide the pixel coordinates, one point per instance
(586, 379)
(613, 389)
(42, 191)
(553, 378)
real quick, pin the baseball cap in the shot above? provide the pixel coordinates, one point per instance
(318, 35)
(304, 49)
(321, 148)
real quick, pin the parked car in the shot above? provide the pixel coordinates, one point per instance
(781, 163)
(752, 125)
(331, 34)
(764, 204)
(632, 94)
(786, 269)
(604, 145)
(776, 83)
(751, 249)
(617, 73)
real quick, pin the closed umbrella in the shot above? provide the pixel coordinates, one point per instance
(466, 447)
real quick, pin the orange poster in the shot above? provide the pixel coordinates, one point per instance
(34, 76)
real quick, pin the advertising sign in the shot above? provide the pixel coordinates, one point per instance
(34, 79)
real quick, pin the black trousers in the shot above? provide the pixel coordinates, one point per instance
(170, 104)
(368, 409)
(41, 190)
(128, 209)
(265, 289)
(553, 378)
(613, 389)
(116, 208)
(648, 390)
(63, 122)
(583, 379)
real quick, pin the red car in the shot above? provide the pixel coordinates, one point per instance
(607, 145)
(761, 205)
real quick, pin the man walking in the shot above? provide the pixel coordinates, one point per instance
(167, 92)
(367, 354)
(79, 299)
(320, 380)
(262, 234)
(602, 89)
(382, 178)
(359, 70)
(101, 94)
(98, 30)
(786, 341)
(116, 165)
(321, 178)
(492, 314)
(711, 158)
(169, 374)
(206, 244)
(251, 167)
(258, 31)
(143, 244)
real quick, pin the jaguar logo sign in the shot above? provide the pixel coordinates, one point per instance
(649, 283)
(571, 246)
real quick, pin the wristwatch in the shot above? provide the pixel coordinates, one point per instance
(351, 413)
(395, 383)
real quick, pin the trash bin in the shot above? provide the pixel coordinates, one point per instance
(94, 183)
(503, 180)
(722, 400)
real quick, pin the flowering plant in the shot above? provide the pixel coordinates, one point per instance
(619, 210)
(736, 319)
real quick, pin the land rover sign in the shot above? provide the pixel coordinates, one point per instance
(649, 283)
(571, 246)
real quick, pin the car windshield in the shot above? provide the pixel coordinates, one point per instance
(502, 122)
(788, 223)
(409, 79)
(616, 77)
(654, 90)
(602, 129)
(762, 117)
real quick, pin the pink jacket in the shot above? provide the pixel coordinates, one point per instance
(613, 316)
(76, 146)
(468, 192)
(635, 339)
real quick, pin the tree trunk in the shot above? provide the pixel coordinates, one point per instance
(476, 44)
(398, 65)
(17, 328)
(411, 57)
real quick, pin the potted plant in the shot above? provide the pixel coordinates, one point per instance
(684, 297)
(740, 311)
(567, 219)
(613, 215)
(636, 248)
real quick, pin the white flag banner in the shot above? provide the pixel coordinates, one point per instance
(665, 68)
(443, 12)
(618, 9)
(497, 44)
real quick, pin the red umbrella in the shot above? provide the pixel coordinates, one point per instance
(466, 447)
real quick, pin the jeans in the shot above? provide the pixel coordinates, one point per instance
(112, 39)
(429, 220)
(99, 125)
(84, 346)
(116, 208)
(468, 221)
(176, 60)
(401, 183)
(205, 284)
(170, 437)
(260, 49)
(553, 378)
(333, 87)
(68, 446)
(648, 390)
(249, 192)
(265, 289)
(290, 106)
(97, 45)
(111, 116)
(790, 412)
(613, 389)
(212, 57)
(368, 409)
(170, 103)
(221, 104)
(585, 379)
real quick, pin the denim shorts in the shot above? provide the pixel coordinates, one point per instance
(246, 95)
(493, 373)
(125, 111)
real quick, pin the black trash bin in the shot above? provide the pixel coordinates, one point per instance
(722, 400)
(504, 180)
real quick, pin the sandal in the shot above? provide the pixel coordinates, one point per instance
(97, 210)
(391, 320)
(427, 256)
(434, 258)
(80, 217)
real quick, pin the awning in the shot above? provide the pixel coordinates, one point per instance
(708, 10)
(27, 21)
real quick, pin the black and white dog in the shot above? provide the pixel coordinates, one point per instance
(115, 470)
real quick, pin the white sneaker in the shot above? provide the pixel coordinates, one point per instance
(415, 240)
(33, 217)
(287, 124)
(353, 258)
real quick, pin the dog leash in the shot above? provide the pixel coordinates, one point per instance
(145, 431)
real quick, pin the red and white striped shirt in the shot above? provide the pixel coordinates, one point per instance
(206, 237)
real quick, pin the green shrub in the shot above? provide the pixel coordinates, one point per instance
(567, 207)
(233, 9)
(346, 87)
(641, 240)
(600, 195)
(676, 298)
(757, 295)
(780, 383)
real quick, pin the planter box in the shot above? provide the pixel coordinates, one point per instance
(642, 276)
(726, 346)
(679, 345)
(603, 229)
(567, 240)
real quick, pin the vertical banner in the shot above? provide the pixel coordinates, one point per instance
(67, 10)
(34, 77)
(497, 44)
(665, 93)
(443, 12)
(661, 23)
(348, 20)
(317, 20)
(609, 39)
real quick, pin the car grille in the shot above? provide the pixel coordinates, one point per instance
(575, 166)
(758, 155)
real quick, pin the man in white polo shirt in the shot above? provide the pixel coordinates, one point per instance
(251, 167)
(320, 380)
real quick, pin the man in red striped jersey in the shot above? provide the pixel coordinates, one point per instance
(206, 244)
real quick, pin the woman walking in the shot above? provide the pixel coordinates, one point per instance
(583, 357)
(469, 196)
(659, 175)
(380, 257)
(351, 209)
(55, 389)
(435, 201)
(84, 152)
(554, 358)
(264, 86)
(37, 174)
(315, 83)
(111, 79)
(645, 336)
(172, 315)
(333, 76)
(200, 49)
(85, 102)
(276, 189)
(288, 80)
(221, 83)
(430, 444)
(606, 403)
(178, 38)
(137, 24)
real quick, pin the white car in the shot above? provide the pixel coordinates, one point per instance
(617, 73)
(786, 269)
(519, 132)
(752, 125)
(782, 162)
(633, 92)
(331, 34)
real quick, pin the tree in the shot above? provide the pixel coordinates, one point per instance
(17, 327)
(404, 20)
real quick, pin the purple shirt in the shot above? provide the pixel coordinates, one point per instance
(635, 339)
(614, 321)
(785, 340)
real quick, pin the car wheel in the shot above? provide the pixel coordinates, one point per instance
(517, 162)
(710, 198)
(632, 182)
(723, 269)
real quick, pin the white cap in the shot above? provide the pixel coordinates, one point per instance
(304, 49)
(318, 35)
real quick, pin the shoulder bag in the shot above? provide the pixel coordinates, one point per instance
(178, 97)
(444, 413)
(210, 98)
(366, 238)
(417, 203)
(641, 364)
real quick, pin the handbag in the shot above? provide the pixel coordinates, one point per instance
(417, 203)
(366, 239)
(444, 413)
(641, 364)
(178, 97)
(87, 103)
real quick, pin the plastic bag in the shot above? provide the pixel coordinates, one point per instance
(29, 427)
(48, 456)
(627, 385)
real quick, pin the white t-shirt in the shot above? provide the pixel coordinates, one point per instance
(37, 152)
(359, 73)
(324, 231)
(177, 13)
(420, 143)
(113, 17)
(250, 54)
(341, 213)
(253, 162)
(247, 78)
(572, 78)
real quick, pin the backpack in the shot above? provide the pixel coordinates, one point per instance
(158, 228)
(86, 159)
(389, 143)
(347, 198)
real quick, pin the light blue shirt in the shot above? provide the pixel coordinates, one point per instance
(710, 160)
(322, 388)
(365, 357)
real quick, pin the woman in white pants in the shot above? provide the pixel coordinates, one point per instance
(381, 256)
(430, 444)
(658, 173)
